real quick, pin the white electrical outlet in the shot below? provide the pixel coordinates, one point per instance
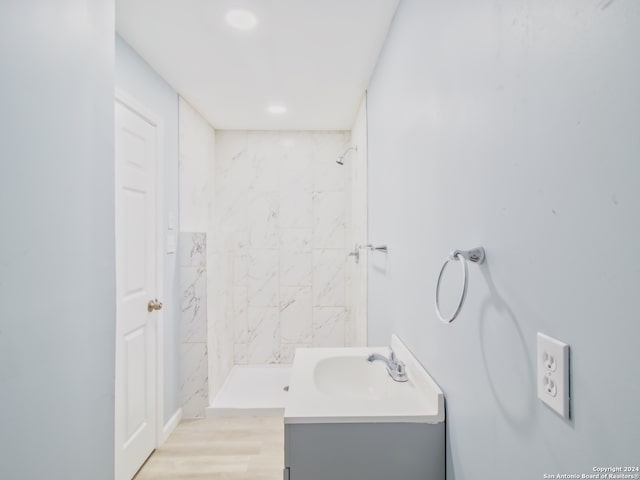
(553, 373)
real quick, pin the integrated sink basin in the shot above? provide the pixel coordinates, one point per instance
(352, 377)
(333, 385)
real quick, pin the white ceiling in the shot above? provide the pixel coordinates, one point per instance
(313, 56)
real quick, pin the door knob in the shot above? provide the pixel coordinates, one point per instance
(154, 305)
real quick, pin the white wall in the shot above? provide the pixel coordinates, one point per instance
(513, 125)
(136, 78)
(57, 277)
(197, 148)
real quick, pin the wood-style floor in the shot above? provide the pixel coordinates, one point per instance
(220, 449)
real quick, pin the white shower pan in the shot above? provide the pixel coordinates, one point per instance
(252, 390)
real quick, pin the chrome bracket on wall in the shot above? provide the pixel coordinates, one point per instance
(378, 248)
(475, 255)
(356, 250)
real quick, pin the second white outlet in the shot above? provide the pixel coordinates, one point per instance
(553, 373)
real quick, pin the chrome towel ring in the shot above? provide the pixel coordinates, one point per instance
(476, 256)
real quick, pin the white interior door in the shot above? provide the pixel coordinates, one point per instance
(136, 286)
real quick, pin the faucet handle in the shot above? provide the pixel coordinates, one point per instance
(393, 357)
(400, 368)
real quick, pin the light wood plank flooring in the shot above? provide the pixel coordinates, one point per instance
(220, 449)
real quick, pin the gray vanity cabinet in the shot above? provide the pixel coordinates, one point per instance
(364, 451)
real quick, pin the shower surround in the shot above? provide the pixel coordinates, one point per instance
(194, 388)
(279, 242)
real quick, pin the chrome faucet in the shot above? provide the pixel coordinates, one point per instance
(395, 368)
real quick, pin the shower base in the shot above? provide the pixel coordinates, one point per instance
(252, 390)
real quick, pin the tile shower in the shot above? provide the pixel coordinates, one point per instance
(282, 217)
(193, 326)
(277, 275)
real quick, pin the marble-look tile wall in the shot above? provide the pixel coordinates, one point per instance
(207, 351)
(357, 272)
(193, 342)
(280, 243)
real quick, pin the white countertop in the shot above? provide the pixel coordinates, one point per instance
(338, 385)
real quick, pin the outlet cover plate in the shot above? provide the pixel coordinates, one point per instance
(553, 373)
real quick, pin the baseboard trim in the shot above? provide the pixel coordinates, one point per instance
(171, 425)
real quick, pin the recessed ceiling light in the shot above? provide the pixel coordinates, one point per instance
(242, 19)
(277, 109)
